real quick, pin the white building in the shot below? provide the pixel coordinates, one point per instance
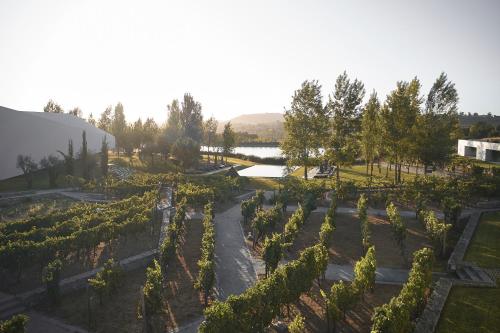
(480, 149)
(40, 134)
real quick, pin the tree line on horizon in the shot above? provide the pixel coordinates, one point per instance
(406, 129)
(181, 136)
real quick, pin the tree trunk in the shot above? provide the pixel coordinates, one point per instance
(371, 170)
(305, 171)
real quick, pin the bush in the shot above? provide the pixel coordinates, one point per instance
(16, 324)
(51, 277)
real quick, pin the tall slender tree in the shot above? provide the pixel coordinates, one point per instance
(105, 120)
(210, 130)
(91, 119)
(104, 157)
(370, 133)
(437, 127)
(345, 106)
(228, 139)
(119, 127)
(398, 118)
(306, 125)
(84, 157)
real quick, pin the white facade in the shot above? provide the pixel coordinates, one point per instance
(481, 150)
(40, 134)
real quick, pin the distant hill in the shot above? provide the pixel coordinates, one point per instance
(467, 120)
(268, 126)
(257, 118)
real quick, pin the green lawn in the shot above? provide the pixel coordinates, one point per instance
(357, 174)
(484, 249)
(471, 310)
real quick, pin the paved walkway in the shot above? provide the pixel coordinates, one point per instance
(234, 267)
(350, 210)
(38, 323)
(34, 193)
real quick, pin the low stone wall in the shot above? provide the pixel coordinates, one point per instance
(458, 254)
(79, 281)
(432, 312)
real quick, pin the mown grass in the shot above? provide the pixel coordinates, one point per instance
(484, 249)
(471, 309)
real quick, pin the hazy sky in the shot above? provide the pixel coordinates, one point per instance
(239, 57)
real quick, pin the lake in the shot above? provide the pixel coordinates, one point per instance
(262, 152)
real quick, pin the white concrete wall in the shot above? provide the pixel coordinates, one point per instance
(40, 134)
(481, 147)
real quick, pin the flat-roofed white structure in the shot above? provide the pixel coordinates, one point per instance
(479, 149)
(40, 134)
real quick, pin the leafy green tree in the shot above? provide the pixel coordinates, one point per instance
(210, 133)
(137, 133)
(306, 126)
(52, 164)
(105, 121)
(69, 159)
(398, 117)
(191, 119)
(16, 324)
(187, 151)
(228, 139)
(51, 277)
(53, 107)
(437, 128)
(344, 105)
(104, 157)
(84, 157)
(184, 130)
(119, 127)
(370, 131)
(28, 167)
(150, 138)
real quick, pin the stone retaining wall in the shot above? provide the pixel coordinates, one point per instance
(432, 312)
(79, 281)
(458, 254)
